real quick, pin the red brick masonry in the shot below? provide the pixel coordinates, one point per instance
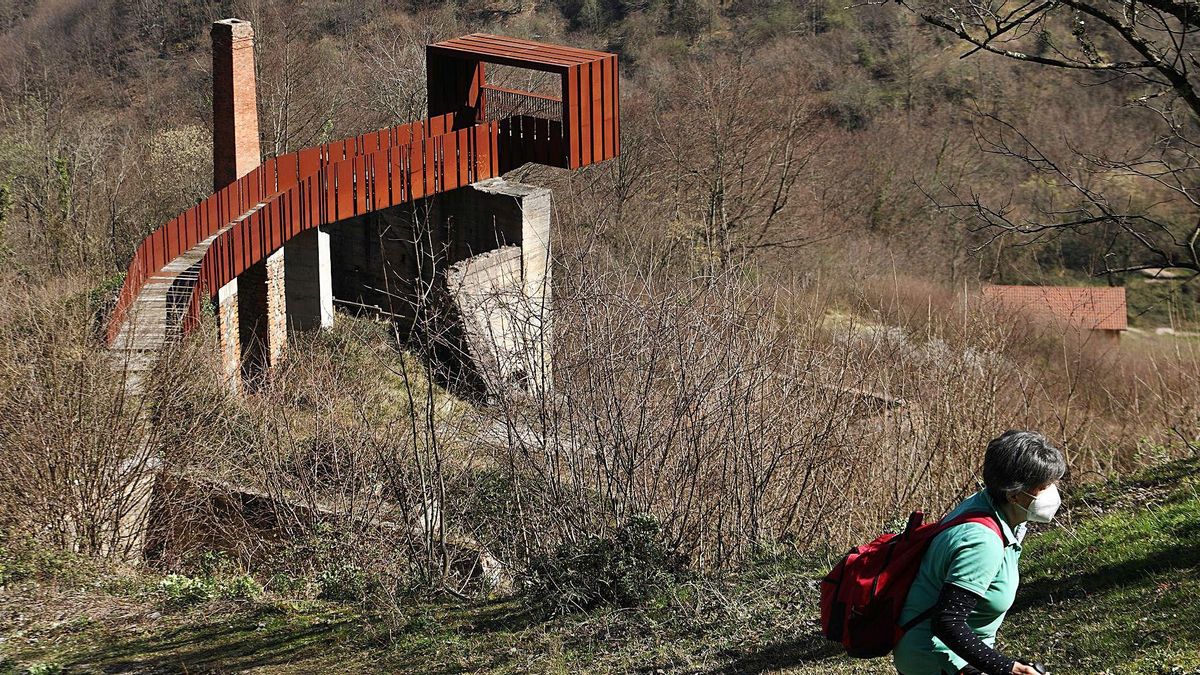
(235, 103)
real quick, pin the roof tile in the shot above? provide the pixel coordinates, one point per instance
(1094, 307)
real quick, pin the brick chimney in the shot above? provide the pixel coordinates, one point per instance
(235, 103)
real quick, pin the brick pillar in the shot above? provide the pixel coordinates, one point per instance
(235, 103)
(235, 153)
(228, 334)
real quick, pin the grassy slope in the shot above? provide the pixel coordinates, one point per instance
(1114, 589)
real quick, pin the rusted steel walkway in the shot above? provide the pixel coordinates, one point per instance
(463, 141)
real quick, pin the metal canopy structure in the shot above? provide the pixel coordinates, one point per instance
(579, 127)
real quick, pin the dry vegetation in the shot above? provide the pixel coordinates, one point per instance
(765, 331)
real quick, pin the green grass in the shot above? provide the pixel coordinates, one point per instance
(1117, 588)
(1161, 303)
(1112, 589)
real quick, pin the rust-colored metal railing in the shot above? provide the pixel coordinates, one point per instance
(353, 186)
(501, 103)
(530, 126)
(273, 177)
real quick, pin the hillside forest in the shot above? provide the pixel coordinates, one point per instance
(769, 342)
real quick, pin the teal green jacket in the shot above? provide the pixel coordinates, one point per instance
(973, 558)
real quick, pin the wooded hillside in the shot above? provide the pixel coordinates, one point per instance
(769, 341)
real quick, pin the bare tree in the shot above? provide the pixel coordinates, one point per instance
(387, 72)
(738, 142)
(301, 97)
(1143, 51)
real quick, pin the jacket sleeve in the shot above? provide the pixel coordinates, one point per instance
(949, 623)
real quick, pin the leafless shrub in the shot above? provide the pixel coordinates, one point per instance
(80, 455)
(747, 414)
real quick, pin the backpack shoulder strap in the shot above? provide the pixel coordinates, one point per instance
(989, 520)
(983, 518)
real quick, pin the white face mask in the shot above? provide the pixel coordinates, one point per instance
(1044, 505)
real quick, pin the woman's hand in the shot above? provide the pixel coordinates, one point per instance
(1023, 669)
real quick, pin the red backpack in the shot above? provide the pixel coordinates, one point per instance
(862, 597)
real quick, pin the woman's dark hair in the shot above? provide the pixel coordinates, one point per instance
(1019, 461)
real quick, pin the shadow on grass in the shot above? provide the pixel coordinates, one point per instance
(1164, 476)
(1106, 578)
(228, 643)
(804, 649)
(453, 645)
(265, 637)
(503, 615)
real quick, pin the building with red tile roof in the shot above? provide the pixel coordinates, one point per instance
(1098, 308)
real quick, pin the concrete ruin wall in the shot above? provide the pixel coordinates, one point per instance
(486, 291)
(503, 294)
(469, 269)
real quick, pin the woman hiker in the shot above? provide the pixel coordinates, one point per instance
(968, 575)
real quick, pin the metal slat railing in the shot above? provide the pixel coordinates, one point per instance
(220, 209)
(502, 103)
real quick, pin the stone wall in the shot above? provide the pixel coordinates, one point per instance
(385, 262)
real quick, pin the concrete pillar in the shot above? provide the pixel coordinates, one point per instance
(486, 250)
(229, 335)
(277, 316)
(325, 276)
(385, 261)
(235, 102)
(500, 279)
(308, 281)
(535, 276)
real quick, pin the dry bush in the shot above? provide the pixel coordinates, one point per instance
(731, 412)
(338, 471)
(78, 454)
(1109, 406)
(743, 414)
